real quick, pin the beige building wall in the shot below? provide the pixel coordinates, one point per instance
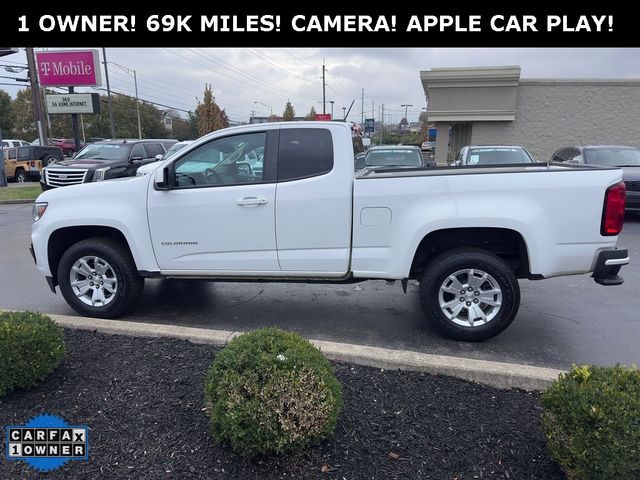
(555, 113)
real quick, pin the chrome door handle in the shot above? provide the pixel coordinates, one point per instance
(251, 201)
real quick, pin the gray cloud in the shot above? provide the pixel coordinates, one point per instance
(240, 77)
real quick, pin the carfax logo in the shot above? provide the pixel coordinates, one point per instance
(47, 442)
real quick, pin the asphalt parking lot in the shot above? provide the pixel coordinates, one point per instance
(561, 321)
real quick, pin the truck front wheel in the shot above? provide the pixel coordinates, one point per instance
(98, 278)
(469, 294)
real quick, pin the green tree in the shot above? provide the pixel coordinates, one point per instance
(125, 118)
(209, 116)
(24, 125)
(289, 112)
(424, 128)
(404, 124)
(224, 119)
(312, 114)
(7, 116)
(181, 127)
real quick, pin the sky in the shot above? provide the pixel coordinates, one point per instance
(246, 80)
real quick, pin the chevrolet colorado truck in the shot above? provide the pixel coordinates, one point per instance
(281, 202)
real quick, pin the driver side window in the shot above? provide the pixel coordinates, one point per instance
(224, 161)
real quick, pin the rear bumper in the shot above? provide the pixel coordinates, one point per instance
(633, 200)
(608, 266)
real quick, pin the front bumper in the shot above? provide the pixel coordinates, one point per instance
(608, 266)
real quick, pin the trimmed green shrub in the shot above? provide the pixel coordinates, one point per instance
(591, 420)
(271, 391)
(31, 347)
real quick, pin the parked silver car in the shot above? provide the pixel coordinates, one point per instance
(492, 155)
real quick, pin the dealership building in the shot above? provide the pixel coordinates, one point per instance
(493, 105)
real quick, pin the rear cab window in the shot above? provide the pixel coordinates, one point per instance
(304, 152)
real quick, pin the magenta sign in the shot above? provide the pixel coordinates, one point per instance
(66, 68)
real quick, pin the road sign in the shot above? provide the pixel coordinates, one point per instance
(369, 125)
(73, 103)
(323, 117)
(66, 68)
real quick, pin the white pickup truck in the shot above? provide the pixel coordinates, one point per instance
(281, 202)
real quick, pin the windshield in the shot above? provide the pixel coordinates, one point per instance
(97, 151)
(174, 148)
(615, 157)
(393, 157)
(497, 155)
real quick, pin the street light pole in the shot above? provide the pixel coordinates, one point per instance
(135, 83)
(344, 113)
(106, 74)
(331, 102)
(268, 106)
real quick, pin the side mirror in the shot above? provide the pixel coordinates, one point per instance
(136, 159)
(158, 157)
(161, 180)
(360, 163)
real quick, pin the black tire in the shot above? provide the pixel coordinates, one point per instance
(49, 160)
(452, 261)
(68, 153)
(129, 283)
(20, 176)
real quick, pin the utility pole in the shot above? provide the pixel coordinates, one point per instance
(406, 108)
(362, 103)
(324, 101)
(135, 82)
(35, 95)
(106, 75)
(381, 125)
(74, 124)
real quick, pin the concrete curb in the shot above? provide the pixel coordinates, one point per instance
(496, 374)
(15, 202)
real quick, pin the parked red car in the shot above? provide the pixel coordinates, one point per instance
(68, 145)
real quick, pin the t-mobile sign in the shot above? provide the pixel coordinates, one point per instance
(66, 68)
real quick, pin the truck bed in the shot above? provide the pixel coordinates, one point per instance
(386, 172)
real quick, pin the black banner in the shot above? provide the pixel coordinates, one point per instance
(401, 25)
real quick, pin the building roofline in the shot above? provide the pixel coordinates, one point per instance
(580, 81)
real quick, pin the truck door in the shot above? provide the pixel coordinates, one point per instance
(314, 199)
(219, 215)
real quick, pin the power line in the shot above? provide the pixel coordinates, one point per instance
(297, 58)
(250, 76)
(217, 70)
(286, 69)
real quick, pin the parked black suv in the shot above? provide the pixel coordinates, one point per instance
(104, 160)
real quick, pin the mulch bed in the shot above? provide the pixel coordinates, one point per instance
(143, 402)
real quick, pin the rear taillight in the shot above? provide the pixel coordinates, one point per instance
(613, 212)
(33, 164)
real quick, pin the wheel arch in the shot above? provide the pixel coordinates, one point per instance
(506, 243)
(63, 238)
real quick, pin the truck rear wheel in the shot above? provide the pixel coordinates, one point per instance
(98, 278)
(469, 294)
